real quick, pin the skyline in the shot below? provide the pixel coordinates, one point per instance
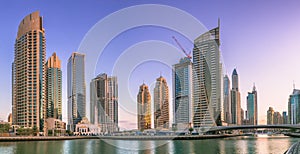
(228, 46)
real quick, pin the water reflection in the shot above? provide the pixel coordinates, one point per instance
(222, 146)
(7, 147)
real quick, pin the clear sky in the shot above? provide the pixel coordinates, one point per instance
(259, 38)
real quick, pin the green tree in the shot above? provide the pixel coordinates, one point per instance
(191, 130)
(4, 128)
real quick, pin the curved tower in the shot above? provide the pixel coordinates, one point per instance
(207, 80)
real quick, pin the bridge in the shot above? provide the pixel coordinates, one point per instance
(283, 126)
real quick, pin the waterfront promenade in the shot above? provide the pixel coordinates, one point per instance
(49, 138)
(45, 138)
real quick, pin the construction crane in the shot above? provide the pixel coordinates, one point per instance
(188, 54)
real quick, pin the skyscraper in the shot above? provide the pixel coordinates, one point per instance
(207, 79)
(252, 106)
(144, 108)
(235, 100)
(28, 107)
(54, 87)
(284, 118)
(161, 103)
(227, 100)
(277, 118)
(270, 116)
(76, 89)
(294, 107)
(104, 102)
(183, 94)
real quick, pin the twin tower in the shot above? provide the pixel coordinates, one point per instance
(161, 105)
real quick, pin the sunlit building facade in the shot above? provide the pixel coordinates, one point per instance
(144, 108)
(161, 103)
(28, 107)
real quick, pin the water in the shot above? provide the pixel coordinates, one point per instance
(244, 145)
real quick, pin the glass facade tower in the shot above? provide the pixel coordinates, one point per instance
(183, 94)
(54, 87)
(252, 107)
(76, 89)
(294, 107)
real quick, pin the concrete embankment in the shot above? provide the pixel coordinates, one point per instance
(190, 137)
(48, 138)
(43, 138)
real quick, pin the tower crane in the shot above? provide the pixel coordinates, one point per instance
(187, 54)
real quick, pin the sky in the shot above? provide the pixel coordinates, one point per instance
(259, 38)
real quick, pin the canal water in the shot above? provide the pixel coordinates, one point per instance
(243, 145)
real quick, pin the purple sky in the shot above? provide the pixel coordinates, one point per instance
(259, 38)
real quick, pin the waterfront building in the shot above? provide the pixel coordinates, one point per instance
(161, 104)
(294, 107)
(252, 106)
(76, 92)
(227, 100)
(144, 108)
(235, 100)
(55, 127)
(183, 94)
(270, 116)
(104, 102)
(284, 117)
(277, 118)
(28, 106)
(54, 87)
(85, 128)
(207, 80)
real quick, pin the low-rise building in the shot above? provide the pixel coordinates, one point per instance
(54, 127)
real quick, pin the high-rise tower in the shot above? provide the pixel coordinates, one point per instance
(104, 102)
(235, 100)
(270, 116)
(252, 106)
(183, 94)
(227, 100)
(294, 107)
(29, 73)
(76, 89)
(54, 87)
(161, 103)
(144, 108)
(207, 79)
